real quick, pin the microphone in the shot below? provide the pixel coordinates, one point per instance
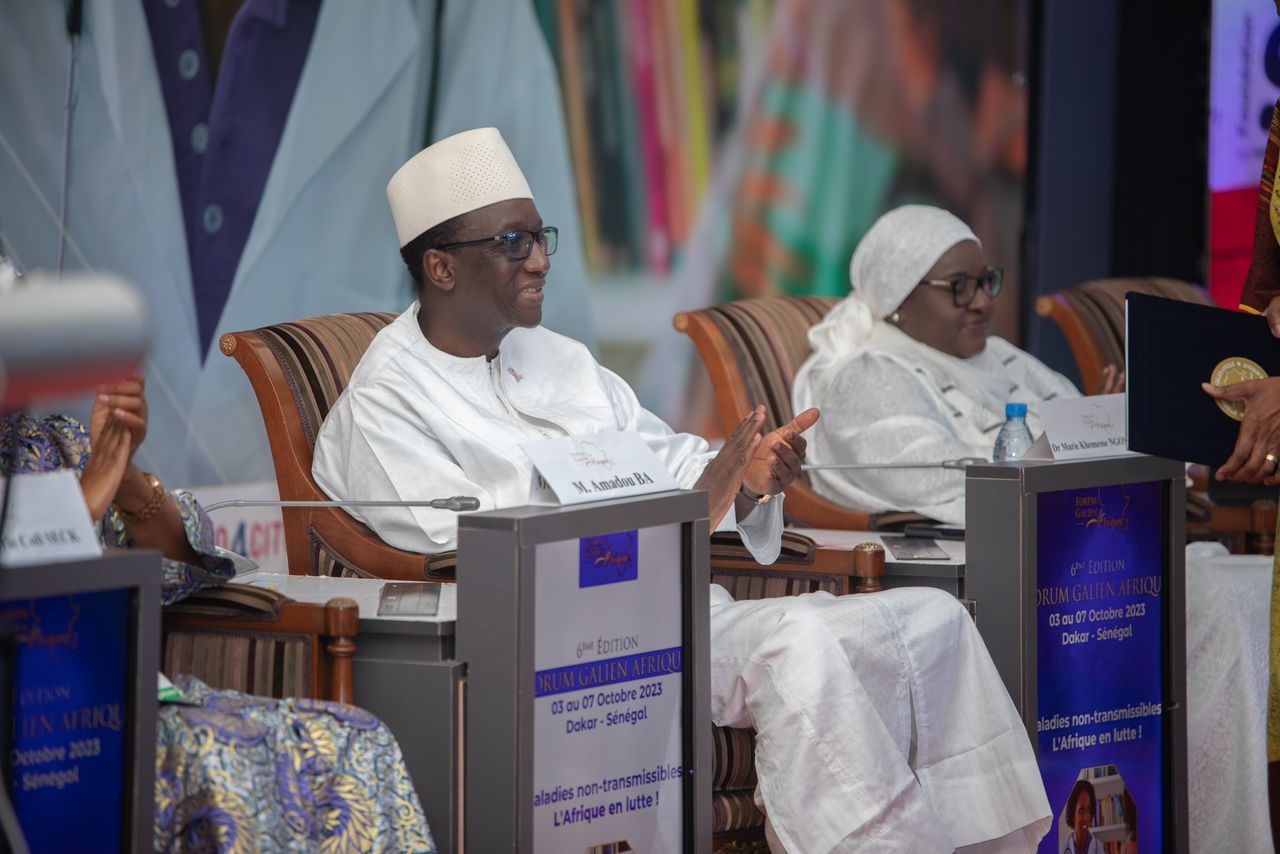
(75, 15)
(960, 465)
(458, 503)
(66, 337)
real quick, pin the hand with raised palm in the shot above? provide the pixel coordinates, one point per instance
(777, 459)
(722, 478)
(128, 396)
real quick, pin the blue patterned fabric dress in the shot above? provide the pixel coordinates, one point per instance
(234, 772)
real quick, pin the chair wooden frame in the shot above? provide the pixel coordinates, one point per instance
(804, 505)
(853, 569)
(1244, 529)
(1088, 356)
(331, 629)
(348, 539)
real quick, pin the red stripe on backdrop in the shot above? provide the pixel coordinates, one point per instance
(1231, 217)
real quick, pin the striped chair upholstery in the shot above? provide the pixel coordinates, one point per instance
(298, 369)
(261, 642)
(753, 584)
(752, 349)
(261, 663)
(735, 766)
(326, 561)
(767, 338)
(1091, 317)
(735, 811)
(733, 784)
(318, 355)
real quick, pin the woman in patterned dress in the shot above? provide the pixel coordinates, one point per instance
(234, 772)
(1256, 457)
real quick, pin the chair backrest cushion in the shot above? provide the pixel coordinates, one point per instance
(318, 355)
(769, 339)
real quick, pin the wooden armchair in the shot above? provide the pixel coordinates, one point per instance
(1091, 316)
(297, 371)
(260, 642)
(752, 348)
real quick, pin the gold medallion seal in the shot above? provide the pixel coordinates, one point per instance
(1236, 369)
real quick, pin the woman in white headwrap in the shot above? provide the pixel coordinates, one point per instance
(904, 369)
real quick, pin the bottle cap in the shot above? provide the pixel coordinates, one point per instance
(1015, 410)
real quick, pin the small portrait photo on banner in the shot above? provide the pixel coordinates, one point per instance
(1099, 816)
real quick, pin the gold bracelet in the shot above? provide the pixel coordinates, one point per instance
(152, 507)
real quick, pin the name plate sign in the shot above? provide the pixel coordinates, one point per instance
(48, 520)
(1082, 427)
(578, 469)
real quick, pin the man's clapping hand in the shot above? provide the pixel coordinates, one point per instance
(776, 460)
(722, 478)
(755, 464)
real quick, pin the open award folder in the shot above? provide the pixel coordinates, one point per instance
(1172, 347)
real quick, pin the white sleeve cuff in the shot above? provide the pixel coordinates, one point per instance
(761, 530)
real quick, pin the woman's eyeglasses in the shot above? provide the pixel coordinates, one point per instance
(964, 288)
(516, 245)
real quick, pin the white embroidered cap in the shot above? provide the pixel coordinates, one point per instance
(456, 175)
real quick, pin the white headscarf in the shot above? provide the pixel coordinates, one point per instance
(893, 257)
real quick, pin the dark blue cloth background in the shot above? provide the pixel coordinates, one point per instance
(1074, 528)
(76, 650)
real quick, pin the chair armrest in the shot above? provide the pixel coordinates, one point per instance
(807, 509)
(1258, 518)
(362, 548)
(861, 570)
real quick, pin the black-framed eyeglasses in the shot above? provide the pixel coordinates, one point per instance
(964, 288)
(516, 245)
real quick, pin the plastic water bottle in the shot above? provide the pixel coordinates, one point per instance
(1014, 437)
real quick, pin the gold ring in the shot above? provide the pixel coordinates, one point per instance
(1273, 459)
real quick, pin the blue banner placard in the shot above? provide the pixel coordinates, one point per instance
(609, 752)
(606, 671)
(608, 559)
(70, 716)
(1100, 733)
